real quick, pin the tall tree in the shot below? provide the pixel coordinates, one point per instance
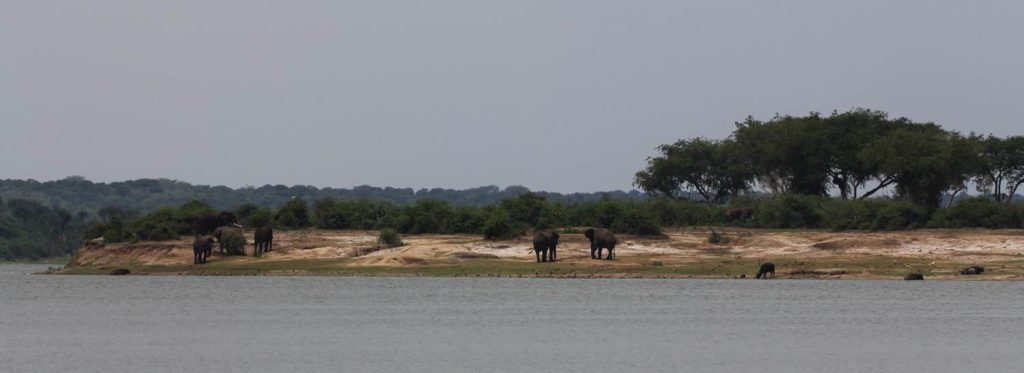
(1002, 167)
(715, 169)
(789, 154)
(921, 160)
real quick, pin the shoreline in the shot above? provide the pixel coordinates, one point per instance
(680, 254)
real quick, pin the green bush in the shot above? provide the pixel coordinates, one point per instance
(979, 212)
(789, 211)
(716, 238)
(638, 221)
(293, 215)
(234, 244)
(499, 226)
(900, 214)
(389, 237)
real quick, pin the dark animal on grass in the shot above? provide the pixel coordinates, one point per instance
(739, 214)
(766, 270)
(543, 243)
(263, 239)
(226, 233)
(601, 239)
(120, 272)
(202, 248)
(210, 222)
(913, 277)
(972, 270)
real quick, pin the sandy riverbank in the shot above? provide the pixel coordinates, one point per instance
(939, 254)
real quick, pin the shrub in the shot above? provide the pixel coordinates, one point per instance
(637, 220)
(852, 214)
(898, 215)
(716, 238)
(789, 211)
(234, 244)
(979, 212)
(389, 237)
(293, 214)
(499, 226)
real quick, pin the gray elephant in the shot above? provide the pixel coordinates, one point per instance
(543, 242)
(263, 240)
(601, 239)
(202, 247)
(232, 236)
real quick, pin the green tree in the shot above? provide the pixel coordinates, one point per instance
(715, 169)
(294, 214)
(1001, 167)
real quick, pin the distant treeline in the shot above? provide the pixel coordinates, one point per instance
(146, 195)
(507, 218)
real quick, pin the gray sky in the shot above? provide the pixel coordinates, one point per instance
(554, 95)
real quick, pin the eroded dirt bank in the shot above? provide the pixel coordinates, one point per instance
(681, 253)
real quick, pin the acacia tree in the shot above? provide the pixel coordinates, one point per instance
(715, 169)
(847, 135)
(1001, 167)
(789, 154)
(922, 160)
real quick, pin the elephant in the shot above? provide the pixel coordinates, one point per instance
(226, 233)
(120, 272)
(972, 270)
(263, 240)
(601, 239)
(202, 247)
(543, 242)
(210, 222)
(913, 277)
(766, 270)
(740, 214)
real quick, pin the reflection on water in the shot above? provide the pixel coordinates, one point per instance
(224, 324)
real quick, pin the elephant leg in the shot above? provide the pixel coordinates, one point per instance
(538, 255)
(592, 251)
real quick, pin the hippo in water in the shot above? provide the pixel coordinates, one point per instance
(972, 270)
(913, 276)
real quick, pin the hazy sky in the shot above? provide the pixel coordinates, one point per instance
(553, 95)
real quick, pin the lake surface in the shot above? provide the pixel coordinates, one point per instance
(241, 324)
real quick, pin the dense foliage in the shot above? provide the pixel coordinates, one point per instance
(856, 155)
(146, 195)
(29, 230)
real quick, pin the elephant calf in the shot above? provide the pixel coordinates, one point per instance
(202, 248)
(263, 240)
(766, 270)
(913, 277)
(544, 242)
(601, 239)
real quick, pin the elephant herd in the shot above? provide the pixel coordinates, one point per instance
(545, 242)
(218, 228)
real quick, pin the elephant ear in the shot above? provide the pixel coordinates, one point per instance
(554, 235)
(589, 233)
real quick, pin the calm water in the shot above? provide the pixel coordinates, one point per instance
(234, 324)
